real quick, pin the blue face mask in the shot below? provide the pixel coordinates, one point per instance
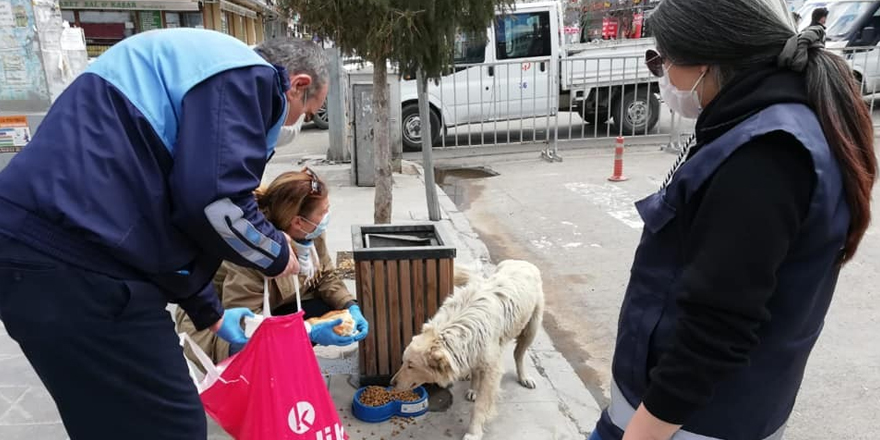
(320, 228)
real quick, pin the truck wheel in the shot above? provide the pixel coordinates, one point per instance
(321, 118)
(411, 128)
(638, 111)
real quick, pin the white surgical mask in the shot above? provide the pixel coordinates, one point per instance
(685, 103)
(289, 132)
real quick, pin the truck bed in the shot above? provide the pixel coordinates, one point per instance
(605, 63)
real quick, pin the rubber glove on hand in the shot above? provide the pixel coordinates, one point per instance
(360, 323)
(323, 334)
(304, 256)
(230, 329)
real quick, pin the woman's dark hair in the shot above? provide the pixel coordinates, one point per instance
(734, 36)
(818, 14)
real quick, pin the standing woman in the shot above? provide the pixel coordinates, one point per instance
(743, 244)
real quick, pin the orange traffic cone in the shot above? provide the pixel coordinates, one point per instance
(618, 162)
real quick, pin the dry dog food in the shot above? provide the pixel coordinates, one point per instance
(378, 396)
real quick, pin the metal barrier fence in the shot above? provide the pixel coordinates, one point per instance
(539, 101)
(865, 65)
(575, 99)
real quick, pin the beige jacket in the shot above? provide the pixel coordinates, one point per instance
(239, 286)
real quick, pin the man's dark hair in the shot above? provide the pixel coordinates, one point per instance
(818, 14)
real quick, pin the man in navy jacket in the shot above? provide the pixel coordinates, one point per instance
(136, 186)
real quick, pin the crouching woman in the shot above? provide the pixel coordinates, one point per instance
(298, 204)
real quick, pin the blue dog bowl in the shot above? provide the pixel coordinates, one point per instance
(376, 414)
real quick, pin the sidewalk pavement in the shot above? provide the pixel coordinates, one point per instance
(560, 408)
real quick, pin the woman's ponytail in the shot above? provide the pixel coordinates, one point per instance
(836, 98)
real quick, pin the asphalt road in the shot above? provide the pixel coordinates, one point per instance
(582, 231)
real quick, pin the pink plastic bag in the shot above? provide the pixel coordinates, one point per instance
(273, 389)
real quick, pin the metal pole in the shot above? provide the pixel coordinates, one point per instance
(336, 110)
(427, 152)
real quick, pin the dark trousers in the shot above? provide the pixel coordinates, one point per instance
(312, 308)
(105, 348)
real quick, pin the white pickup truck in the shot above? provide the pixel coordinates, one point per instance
(522, 68)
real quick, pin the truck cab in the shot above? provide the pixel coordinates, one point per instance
(508, 71)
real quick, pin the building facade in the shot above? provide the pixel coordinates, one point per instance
(105, 23)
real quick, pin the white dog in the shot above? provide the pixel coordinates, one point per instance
(468, 334)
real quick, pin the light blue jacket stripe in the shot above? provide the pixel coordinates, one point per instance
(165, 64)
(228, 220)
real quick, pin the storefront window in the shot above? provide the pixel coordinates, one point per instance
(106, 28)
(192, 20)
(105, 16)
(172, 20)
(239, 27)
(224, 22)
(68, 16)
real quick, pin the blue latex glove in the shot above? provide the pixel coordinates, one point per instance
(231, 331)
(360, 323)
(323, 334)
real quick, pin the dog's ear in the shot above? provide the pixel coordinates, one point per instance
(438, 360)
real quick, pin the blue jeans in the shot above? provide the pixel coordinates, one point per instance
(595, 436)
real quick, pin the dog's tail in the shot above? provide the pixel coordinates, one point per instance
(462, 276)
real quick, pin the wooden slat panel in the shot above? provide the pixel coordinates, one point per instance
(369, 366)
(445, 280)
(381, 315)
(419, 306)
(451, 277)
(431, 286)
(394, 324)
(362, 350)
(406, 303)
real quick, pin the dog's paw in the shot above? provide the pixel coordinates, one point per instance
(528, 382)
(472, 437)
(471, 396)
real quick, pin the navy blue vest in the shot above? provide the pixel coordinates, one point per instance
(755, 402)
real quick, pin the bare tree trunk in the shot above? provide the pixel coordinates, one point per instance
(382, 143)
(427, 147)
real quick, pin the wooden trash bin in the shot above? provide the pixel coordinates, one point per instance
(403, 274)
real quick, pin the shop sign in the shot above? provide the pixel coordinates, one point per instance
(14, 133)
(131, 5)
(150, 20)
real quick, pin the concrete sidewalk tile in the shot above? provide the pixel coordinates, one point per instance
(542, 343)
(16, 370)
(27, 405)
(48, 431)
(215, 432)
(528, 419)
